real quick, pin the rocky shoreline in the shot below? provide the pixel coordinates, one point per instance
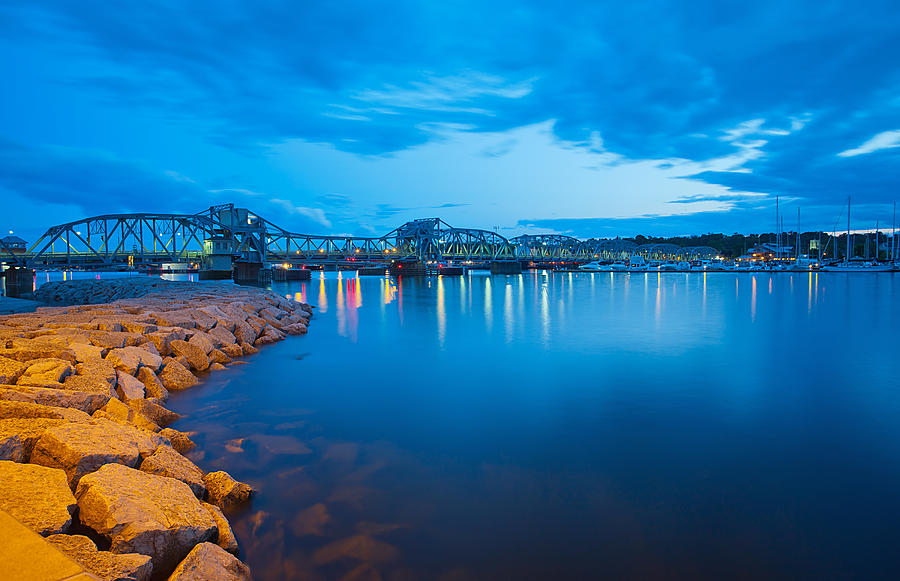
(86, 457)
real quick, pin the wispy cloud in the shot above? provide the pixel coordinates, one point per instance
(884, 140)
(315, 214)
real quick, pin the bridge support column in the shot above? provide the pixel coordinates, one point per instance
(506, 267)
(411, 268)
(18, 281)
(251, 273)
(284, 274)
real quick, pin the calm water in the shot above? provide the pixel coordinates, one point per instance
(569, 426)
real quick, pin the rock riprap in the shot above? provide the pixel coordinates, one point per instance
(144, 513)
(82, 395)
(105, 565)
(36, 496)
(208, 561)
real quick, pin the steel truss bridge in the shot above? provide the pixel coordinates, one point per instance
(239, 235)
(555, 248)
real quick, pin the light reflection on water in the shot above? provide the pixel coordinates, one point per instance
(642, 426)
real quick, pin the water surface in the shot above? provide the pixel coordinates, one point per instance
(570, 427)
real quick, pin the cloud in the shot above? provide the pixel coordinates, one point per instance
(91, 179)
(765, 114)
(315, 214)
(884, 140)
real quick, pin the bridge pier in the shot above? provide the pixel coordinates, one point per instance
(18, 281)
(407, 268)
(506, 267)
(284, 274)
(208, 274)
(251, 273)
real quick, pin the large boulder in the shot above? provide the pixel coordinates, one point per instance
(175, 377)
(19, 436)
(48, 369)
(26, 410)
(121, 413)
(94, 375)
(85, 352)
(82, 448)
(105, 565)
(226, 538)
(153, 387)
(180, 441)
(202, 340)
(225, 491)
(165, 461)
(10, 370)
(129, 359)
(221, 336)
(208, 561)
(86, 401)
(195, 355)
(36, 496)
(144, 513)
(154, 411)
(129, 387)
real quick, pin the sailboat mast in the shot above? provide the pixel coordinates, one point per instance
(797, 259)
(777, 232)
(876, 240)
(893, 227)
(848, 230)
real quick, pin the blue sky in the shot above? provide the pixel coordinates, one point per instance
(590, 118)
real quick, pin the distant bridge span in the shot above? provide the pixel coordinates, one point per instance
(222, 235)
(147, 239)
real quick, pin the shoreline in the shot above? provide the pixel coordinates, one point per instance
(86, 457)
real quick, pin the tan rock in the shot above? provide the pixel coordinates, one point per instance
(232, 350)
(139, 328)
(295, 329)
(226, 538)
(82, 448)
(19, 436)
(85, 352)
(129, 387)
(153, 387)
(208, 561)
(195, 355)
(144, 513)
(122, 413)
(175, 377)
(36, 496)
(180, 441)
(225, 491)
(248, 349)
(10, 370)
(216, 367)
(129, 359)
(49, 369)
(154, 411)
(25, 410)
(201, 340)
(220, 335)
(98, 372)
(244, 333)
(105, 565)
(87, 402)
(165, 461)
(163, 337)
(217, 356)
